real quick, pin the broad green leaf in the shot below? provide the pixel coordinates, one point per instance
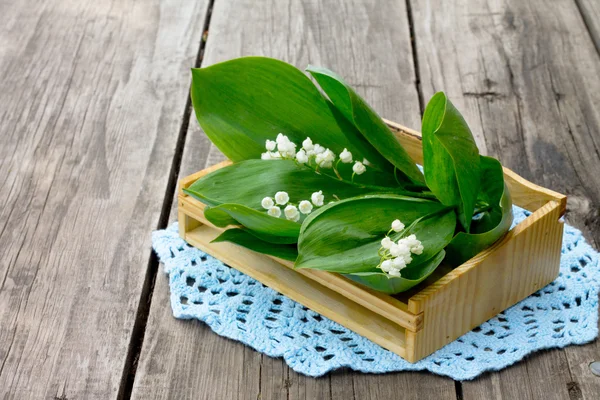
(488, 226)
(249, 241)
(271, 229)
(451, 157)
(366, 120)
(242, 102)
(248, 182)
(410, 277)
(345, 236)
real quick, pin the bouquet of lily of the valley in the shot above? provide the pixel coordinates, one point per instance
(319, 179)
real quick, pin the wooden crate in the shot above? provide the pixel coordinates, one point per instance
(448, 304)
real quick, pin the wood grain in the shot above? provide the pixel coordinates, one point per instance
(524, 74)
(91, 100)
(490, 282)
(370, 47)
(590, 12)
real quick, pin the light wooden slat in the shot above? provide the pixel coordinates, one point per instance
(476, 291)
(191, 211)
(300, 288)
(525, 76)
(366, 44)
(91, 100)
(590, 12)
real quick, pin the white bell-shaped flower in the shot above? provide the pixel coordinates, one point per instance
(274, 212)
(358, 168)
(397, 225)
(302, 157)
(282, 198)
(317, 198)
(399, 250)
(346, 156)
(318, 149)
(291, 213)
(270, 145)
(386, 266)
(386, 242)
(366, 162)
(399, 263)
(267, 203)
(305, 207)
(307, 144)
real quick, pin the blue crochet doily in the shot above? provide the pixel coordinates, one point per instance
(241, 308)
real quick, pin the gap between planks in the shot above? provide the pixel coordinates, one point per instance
(141, 318)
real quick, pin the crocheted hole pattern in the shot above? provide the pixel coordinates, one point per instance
(241, 308)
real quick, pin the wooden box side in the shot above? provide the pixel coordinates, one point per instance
(524, 261)
(191, 215)
(302, 289)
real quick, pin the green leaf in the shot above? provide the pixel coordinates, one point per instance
(345, 236)
(248, 182)
(410, 277)
(451, 157)
(271, 229)
(490, 225)
(366, 120)
(249, 241)
(242, 102)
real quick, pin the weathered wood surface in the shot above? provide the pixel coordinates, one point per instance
(91, 100)
(525, 75)
(369, 46)
(590, 11)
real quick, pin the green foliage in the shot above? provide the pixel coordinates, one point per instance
(346, 236)
(368, 123)
(490, 224)
(241, 103)
(411, 276)
(451, 157)
(244, 238)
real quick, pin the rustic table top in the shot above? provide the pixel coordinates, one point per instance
(96, 126)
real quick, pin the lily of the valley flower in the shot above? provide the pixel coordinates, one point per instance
(302, 157)
(270, 145)
(305, 207)
(386, 243)
(274, 212)
(359, 168)
(325, 159)
(267, 203)
(397, 226)
(291, 213)
(282, 198)
(317, 198)
(346, 156)
(318, 149)
(285, 147)
(307, 144)
(397, 255)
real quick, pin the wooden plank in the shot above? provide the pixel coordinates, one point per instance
(590, 12)
(366, 44)
(227, 370)
(525, 76)
(92, 95)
